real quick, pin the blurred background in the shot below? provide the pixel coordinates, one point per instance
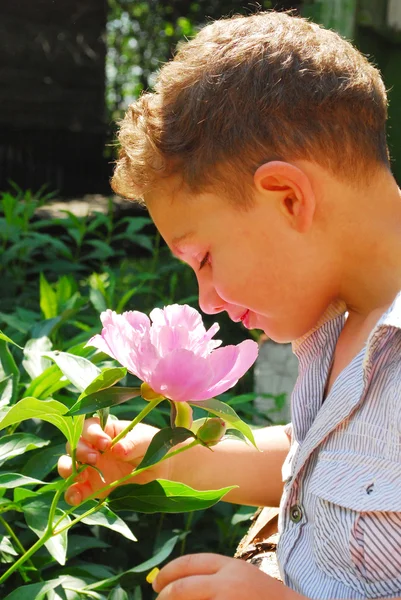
(69, 249)
(68, 69)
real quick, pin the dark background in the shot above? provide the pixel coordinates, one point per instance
(68, 69)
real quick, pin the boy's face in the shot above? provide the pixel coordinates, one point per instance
(252, 263)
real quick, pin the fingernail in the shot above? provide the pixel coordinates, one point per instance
(74, 498)
(103, 444)
(92, 458)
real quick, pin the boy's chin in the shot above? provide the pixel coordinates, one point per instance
(284, 335)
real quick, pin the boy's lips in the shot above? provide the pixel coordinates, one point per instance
(239, 318)
(245, 319)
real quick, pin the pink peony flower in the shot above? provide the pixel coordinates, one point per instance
(174, 354)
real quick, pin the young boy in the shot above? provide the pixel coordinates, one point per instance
(262, 159)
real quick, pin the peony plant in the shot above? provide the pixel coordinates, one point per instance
(178, 362)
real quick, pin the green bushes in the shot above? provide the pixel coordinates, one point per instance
(57, 275)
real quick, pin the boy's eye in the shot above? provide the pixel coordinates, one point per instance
(204, 261)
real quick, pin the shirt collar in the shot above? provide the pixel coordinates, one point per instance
(334, 310)
(390, 318)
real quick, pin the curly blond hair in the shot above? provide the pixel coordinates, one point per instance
(247, 90)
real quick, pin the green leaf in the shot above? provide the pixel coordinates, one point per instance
(80, 543)
(48, 299)
(118, 594)
(98, 300)
(106, 379)
(42, 462)
(17, 444)
(9, 372)
(47, 410)
(244, 513)
(34, 591)
(104, 414)
(105, 517)
(129, 577)
(161, 496)
(162, 443)
(40, 386)
(103, 399)
(34, 363)
(78, 370)
(36, 512)
(234, 434)
(226, 413)
(6, 546)
(13, 480)
(5, 338)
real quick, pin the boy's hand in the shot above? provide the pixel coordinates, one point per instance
(216, 577)
(94, 449)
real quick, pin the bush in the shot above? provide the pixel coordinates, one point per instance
(64, 272)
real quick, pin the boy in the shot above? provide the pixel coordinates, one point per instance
(262, 159)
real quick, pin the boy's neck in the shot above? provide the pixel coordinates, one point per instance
(371, 274)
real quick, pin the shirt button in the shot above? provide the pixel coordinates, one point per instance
(295, 513)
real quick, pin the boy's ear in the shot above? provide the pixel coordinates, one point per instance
(292, 189)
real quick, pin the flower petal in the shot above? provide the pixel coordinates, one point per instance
(177, 314)
(181, 376)
(245, 356)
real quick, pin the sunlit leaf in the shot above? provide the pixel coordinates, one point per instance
(78, 370)
(103, 399)
(48, 299)
(12, 480)
(10, 373)
(6, 546)
(5, 338)
(34, 363)
(163, 496)
(162, 443)
(36, 512)
(34, 590)
(106, 379)
(51, 411)
(105, 517)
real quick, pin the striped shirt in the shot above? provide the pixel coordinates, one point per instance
(340, 515)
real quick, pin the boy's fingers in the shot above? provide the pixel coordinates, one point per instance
(64, 467)
(94, 434)
(129, 449)
(188, 566)
(196, 587)
(86, 453)
(77, 493)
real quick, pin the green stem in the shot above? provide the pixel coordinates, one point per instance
(74, 461)
(188, 523)
(133, 473)
(20, 547)
(50, 529)
(77, 520)
(46, 535)
(150, 406)
(41, 541)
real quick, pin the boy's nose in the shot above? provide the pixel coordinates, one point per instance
(209, 300)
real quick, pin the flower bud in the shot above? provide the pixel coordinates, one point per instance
(212, 431)
(148, 394)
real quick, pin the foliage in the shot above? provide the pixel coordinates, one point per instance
(58, 307)
(143, 35)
